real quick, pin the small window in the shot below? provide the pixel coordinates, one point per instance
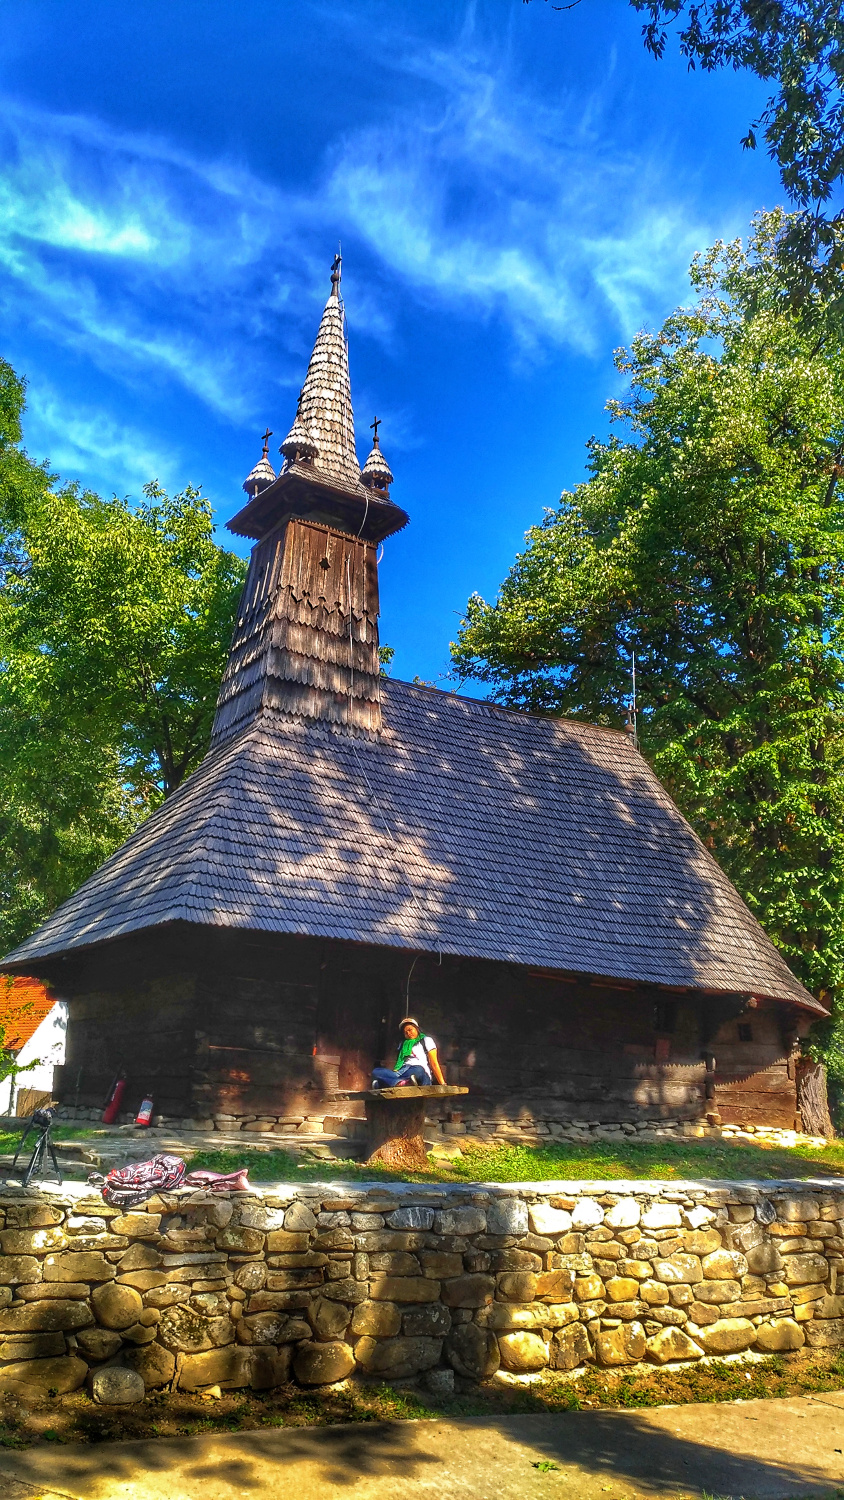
(665, 1015)
(745, 1031)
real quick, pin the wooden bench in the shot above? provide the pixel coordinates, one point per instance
(395, 1118)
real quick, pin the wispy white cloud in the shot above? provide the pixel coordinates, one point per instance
(474, 193)
(79, 439)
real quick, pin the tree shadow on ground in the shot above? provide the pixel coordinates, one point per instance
(645, 1452)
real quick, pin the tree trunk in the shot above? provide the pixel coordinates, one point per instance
(812, 1099)
(395, 1133)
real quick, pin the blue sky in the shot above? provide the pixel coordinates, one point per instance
(517, 190)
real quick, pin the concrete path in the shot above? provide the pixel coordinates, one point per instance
(759, 1450)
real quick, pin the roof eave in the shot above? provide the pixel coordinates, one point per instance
(298, 493)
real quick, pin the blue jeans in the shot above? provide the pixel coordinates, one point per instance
(410, 1073)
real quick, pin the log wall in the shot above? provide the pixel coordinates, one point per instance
(221, 1023)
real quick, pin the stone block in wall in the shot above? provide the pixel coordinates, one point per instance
(322, 1364)
(376, 1319)
(411, 1218)
(98, 1343)
(724, 1265)
(728, 1336)
(183, 1331)
(702, 1241)
(299, 1218)
(32, 1346)
(779, 1335)
(620, 1346)
(258, 1216)
(515, 1286)
(329, 1320)
(432, 1321)
(139, 1226)
(679, 1268)
(399, 1263)
(621, 1289)
(803, 1270)
(142, 1281)
(586, 1214)
(409, 1289)
(240, 1239)
(546, 1220)
(640, 1270)
(462, 1221)
(18, 1269)
(230, 1368)
(440, 1265)
(523, 1351)
(251, 1277)
(654, 1293)
(399, 1357)
(116, 1306)
(554, 1286)
(797, 1208)
(36, 1377)
(570, 1347)
(588, 1288)
(349, 1290)
(672, 1343)
(55, 1315)
(717, 1291)
(661, 1216)
(155, 1365)
(471, 1290)
(625, 1214)
(140, 1257)
(32, 1241)
(472, 1351)
(764, 1259)
(90, 1265)
(827, 1333)
(505, 1316)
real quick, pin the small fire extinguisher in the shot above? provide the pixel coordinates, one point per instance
(112, 1104)
(144, 1115)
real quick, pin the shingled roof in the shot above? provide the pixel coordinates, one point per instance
(463, 829)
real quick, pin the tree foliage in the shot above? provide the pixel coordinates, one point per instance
(114, 627)
(709, 537)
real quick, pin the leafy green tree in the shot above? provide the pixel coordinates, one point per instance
(709, 537)
(114, 627)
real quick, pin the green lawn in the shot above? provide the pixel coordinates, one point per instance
(659, 1159)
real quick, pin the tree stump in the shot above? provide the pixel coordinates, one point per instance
(395, 1132)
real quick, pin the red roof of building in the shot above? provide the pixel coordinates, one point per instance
(24, 1003)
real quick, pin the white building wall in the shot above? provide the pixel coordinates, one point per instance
(40, 1055)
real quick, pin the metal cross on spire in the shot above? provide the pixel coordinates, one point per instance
(265, 439)
(374, 427)
(335, 274)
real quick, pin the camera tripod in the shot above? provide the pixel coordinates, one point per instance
(40, 1122)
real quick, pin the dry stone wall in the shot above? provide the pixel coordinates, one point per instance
(313, 1284)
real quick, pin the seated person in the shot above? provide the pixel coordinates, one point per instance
(416, 1061)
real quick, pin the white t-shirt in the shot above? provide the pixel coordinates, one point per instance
(418, 1057)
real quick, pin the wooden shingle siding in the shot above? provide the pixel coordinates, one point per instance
(306, 639)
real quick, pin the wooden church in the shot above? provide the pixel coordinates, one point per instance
(355, 848)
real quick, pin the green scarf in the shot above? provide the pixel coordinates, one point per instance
(407, 1046)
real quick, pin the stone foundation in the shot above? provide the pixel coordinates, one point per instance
(452, 1124)
(315, 1283)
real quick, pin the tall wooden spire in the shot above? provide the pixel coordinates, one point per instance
(306, 641)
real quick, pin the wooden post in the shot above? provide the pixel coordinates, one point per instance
(395, 1132)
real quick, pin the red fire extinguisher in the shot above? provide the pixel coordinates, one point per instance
(112, 1106)
(144, 1115)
